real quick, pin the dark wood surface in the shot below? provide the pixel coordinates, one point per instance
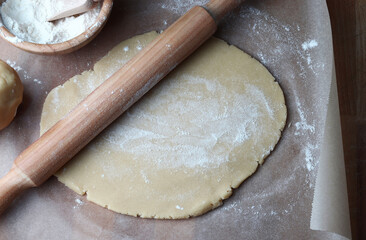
(348, 20)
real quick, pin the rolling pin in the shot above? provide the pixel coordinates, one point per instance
(69, 135)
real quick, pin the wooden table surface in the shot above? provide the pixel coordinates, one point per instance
(349, 38)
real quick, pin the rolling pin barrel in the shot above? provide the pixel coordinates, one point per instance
(68, 136)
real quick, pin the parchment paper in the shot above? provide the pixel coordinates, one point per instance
(291, 38)
(330, 206)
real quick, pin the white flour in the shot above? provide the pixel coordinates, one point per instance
(309, 45)
(79, 203)
(181, 7)
(27, 20)
(195, 142)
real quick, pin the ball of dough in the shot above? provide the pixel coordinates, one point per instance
(11, 94)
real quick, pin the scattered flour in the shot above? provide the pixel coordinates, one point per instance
(56, 99)
(182, 6)
(23, 74)
(234, 124)
(79, 203)
(309, 44)
(27, 20)
(37, 81)
(139, 46)
(262, 27)
(302, 126)
(287, 44)
(275, 42)
(309, 156)
(143, 174)
(179, 207)
(14, 65)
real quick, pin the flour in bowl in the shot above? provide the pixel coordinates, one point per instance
(27, 19)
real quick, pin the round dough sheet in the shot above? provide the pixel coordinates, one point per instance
(181, 149)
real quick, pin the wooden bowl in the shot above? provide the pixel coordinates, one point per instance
(63, 47)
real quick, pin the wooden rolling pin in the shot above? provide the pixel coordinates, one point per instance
(68, 136)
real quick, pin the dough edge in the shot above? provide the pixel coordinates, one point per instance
(195, 210)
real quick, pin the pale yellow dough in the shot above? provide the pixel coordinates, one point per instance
(11, 94)
(181, 149)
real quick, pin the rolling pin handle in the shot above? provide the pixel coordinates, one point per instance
(11, 186)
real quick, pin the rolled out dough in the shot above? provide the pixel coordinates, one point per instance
(186, 144)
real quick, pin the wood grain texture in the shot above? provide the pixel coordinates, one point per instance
(348, 20)
(13, 184)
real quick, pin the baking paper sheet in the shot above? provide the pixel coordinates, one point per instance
(292, 39)
(330, 207)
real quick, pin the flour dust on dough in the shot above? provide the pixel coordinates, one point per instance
(186, 144)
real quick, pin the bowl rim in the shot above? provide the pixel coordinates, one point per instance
(62, 47)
